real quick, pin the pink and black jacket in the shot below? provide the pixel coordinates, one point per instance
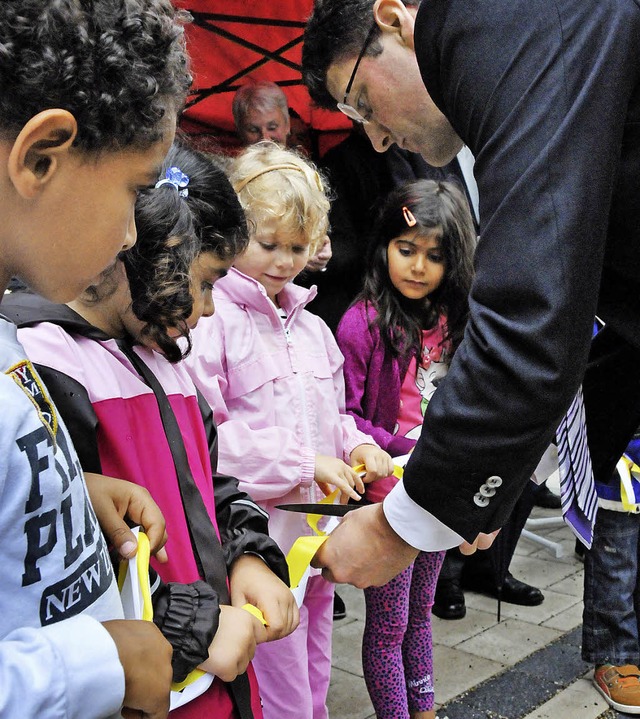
(115, 423)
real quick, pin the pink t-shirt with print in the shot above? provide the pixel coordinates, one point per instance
(417, 388)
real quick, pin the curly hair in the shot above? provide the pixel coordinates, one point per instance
(401, 321)
(172, 232)
(295, 195)
(119, 66)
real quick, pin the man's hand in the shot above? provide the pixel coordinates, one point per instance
(482, 541)
(363, 550)
(252, 582)
(112, 500)
(145, 656)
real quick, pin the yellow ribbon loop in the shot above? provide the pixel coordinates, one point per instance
(314, 519)
(142, 569)
(300, 556)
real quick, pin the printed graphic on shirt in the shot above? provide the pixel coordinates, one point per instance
(24, 375)
(428, 374)
(63, 540)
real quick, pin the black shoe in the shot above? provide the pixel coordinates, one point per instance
(544, 497)
(339, 610)
(449, 600)
(513, 590)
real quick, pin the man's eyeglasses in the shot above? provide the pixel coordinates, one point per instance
(343, 106)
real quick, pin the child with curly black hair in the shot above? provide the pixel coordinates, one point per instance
(111, 362)
(88, 97)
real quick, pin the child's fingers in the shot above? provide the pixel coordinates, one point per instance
(346, 482)
(358, 481)
(259, 631)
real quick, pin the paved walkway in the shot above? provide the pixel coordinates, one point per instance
(528, 666)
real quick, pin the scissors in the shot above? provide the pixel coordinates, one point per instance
(328, 510)
(334, 510)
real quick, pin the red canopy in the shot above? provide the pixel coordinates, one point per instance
(232, 42)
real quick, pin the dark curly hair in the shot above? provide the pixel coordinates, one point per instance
(119, 66)
(172, 232)
(401, 321)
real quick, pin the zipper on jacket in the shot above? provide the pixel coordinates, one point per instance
(301, 387)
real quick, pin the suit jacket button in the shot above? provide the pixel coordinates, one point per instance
(479, 500)
(494, 481)
(486, 491)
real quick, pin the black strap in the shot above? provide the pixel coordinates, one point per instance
(204, 539)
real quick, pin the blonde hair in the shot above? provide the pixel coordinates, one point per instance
(275, 183)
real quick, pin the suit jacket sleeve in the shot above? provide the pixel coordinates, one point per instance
(538, 89)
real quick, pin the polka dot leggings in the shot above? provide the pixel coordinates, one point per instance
(397, 655)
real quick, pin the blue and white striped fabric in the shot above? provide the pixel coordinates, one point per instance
(577, 487)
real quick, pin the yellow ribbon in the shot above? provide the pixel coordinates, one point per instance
(298, 560)
(628, 471)
(398, 471)
(142, 565)
(304, 548)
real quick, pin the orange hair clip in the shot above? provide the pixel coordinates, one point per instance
(408, 217)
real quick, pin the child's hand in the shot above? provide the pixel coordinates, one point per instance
(378, 463)
(331, 470)
(252, 582)
(112, 500)
(234, 644)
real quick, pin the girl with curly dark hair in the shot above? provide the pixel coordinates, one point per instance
(109, 360)
(398, 339)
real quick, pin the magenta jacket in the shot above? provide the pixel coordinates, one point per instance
(373, 378)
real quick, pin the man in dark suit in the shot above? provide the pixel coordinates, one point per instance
(546, 94)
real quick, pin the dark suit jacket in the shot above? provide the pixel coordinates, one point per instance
(546, 95)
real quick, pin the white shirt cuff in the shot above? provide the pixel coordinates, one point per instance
(415, 525)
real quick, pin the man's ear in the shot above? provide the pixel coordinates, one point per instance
(393, 16)
(39, 148)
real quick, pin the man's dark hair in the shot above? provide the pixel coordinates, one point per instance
(336, 30)
(119, 66)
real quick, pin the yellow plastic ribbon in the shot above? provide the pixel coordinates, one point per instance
(298, 560)
(304, 548)
(628, 471)
(398, 471)
(314, 519)
(142, 566)
(300, 556)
